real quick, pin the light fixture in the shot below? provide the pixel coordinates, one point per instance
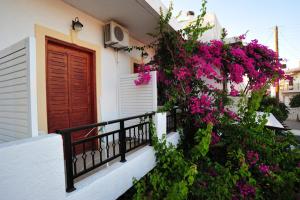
(190, 13)
(144, 55)
(77, 25)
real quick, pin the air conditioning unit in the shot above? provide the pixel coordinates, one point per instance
(115, 36)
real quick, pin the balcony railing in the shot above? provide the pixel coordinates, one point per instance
(291, 88)
(172, 121)
(98, 147)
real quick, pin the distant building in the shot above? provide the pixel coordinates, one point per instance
(290, 88)
(210, 18)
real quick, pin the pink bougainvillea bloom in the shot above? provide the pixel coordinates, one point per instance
(238, 53)
(245, 189)
(144, 76)
(209, 118)
(215, 138)
(252, 157)
(199, 73)
(264, 169)
(242, 37)
(199, 105)
(233, 91)
(237, 72)
(231, 114)
(182, 73)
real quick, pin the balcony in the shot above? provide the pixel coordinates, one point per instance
(100, 166)
(99, 148)
(295, 88)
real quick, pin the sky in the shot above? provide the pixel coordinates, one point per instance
(258, 17)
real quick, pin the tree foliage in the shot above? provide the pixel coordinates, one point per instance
(295, 101)
(278, 109)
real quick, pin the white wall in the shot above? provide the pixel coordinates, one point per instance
(18, 17)
(18, 109)
(210, 18)
(293, 114)
(32, 169)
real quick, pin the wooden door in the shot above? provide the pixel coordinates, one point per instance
(70, 88)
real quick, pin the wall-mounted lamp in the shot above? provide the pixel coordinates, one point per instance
(77, 25)
(144, 55)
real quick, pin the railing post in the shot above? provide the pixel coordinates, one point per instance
(150, 129)
(68, 157)
(175, 119)
(122, 136)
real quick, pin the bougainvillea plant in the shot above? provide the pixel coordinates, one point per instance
(195, 76)
(222, 154)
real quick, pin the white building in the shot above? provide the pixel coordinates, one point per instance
(290, 88)
(54, 77)
(209, 19)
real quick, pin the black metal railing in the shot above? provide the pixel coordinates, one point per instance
(172, 121)
(91, 146)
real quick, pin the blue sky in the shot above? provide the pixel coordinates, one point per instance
(259, 18)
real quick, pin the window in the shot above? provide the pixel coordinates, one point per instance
(291, 82)
(136, 67)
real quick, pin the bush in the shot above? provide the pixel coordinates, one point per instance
(279, 110)
(295, 101)
(259, 163)
(250, 161)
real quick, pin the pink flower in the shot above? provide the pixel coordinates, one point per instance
(238, 52)
(198, 105)
(144, 76)
(215, 138)
(236, 73)
(209, 118)
(233, 91)
(245, 189)
(264, 169)
(182, 73)
(242, 37)
(252, 157)
(231, 114)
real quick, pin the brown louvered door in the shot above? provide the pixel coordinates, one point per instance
(69, 89)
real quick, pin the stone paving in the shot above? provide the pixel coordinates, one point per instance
(295, 126)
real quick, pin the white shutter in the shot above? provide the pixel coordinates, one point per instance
(135, 100)
(18, 104)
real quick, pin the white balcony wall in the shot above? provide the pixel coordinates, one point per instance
(18, 109)
(32, 169)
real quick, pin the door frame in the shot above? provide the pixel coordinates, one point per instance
(93, 76)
